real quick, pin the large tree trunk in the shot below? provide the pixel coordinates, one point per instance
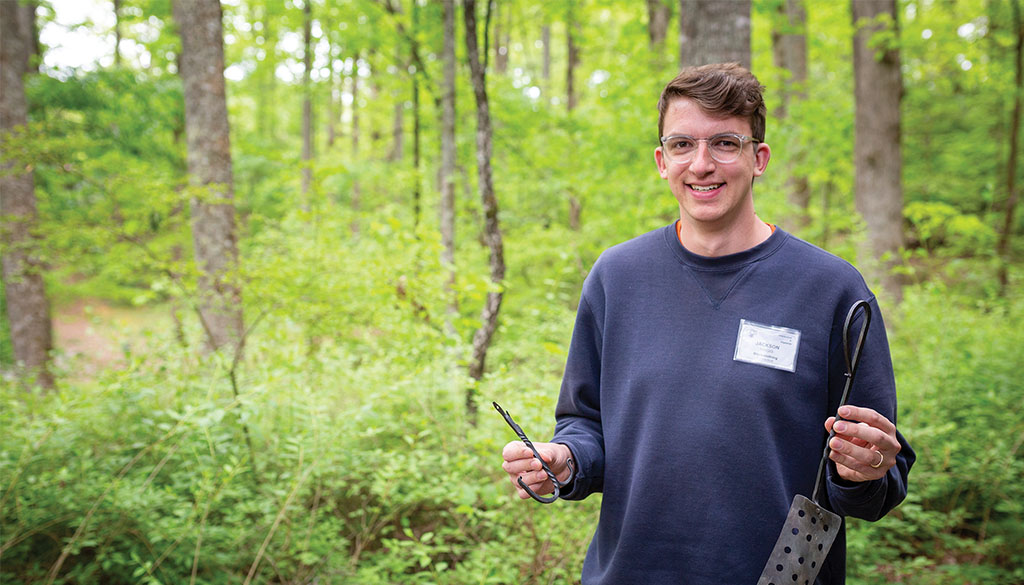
(447, 179)
(209, 165)
(789, 44)
(307, 101)
(714, 31)
(1012, 194)
(492, 232)
(28, 308)
(879, 194)
(658, 14)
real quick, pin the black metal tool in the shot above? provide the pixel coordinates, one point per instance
(544, 464)
(810, 529)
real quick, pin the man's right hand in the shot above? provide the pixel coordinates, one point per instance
(520, 462)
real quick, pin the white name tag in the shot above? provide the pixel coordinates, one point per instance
(767, 345)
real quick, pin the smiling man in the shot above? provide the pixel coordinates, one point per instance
(705, 361)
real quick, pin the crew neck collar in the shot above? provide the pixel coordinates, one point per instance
(728, 261)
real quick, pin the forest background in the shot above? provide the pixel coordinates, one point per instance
(336, 427)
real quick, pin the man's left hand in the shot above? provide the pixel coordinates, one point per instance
(865, 445)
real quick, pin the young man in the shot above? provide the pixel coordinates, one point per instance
(697, 443)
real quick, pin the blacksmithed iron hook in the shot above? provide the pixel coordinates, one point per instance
(544, 464)
(851, 369)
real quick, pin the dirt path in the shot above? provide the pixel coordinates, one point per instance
(92, 334)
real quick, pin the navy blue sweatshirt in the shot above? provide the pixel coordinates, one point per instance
(698, 454)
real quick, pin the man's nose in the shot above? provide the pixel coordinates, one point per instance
(702, 161)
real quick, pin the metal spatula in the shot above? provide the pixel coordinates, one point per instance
(810, 529)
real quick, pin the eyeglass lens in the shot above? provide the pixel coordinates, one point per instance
(724, 148)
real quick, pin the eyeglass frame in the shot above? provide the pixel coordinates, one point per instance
(742, 138)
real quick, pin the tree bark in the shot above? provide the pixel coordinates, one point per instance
(502, 38)
(447, 179)
(307, 101)
(658, 14)
(1012, 194)
(357, 190)
(397, 129)
(33, 56)
(209, 164)
(28, 308)
(789, 49)
(117, 33)
(713, 31)
(572, 31)
(877, 184)
(492, 232)
(545, 36)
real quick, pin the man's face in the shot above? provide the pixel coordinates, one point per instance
(712, 195)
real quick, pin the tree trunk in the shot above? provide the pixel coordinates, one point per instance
(209, 165)
(501, 39)
(1012, 194)
(545, 37)
(266, 103)
(117, 33)
(447, 207)
(877, 90)
(331, 58)
(572, 31)
(416, 193)
(354, 200)
(658, 14)
(713, 31)
(307, 101)
(492, 232)
(33, 57)
(397, 130)
(789, 49)
(28, 308)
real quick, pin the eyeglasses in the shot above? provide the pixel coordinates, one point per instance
(724, 148)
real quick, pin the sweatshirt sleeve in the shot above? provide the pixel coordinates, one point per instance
(871, 500)
(874, 387)
(578, 412)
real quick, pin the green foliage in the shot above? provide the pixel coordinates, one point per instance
(958, 364)
(345, 456)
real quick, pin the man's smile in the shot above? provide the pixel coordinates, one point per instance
(705, 188)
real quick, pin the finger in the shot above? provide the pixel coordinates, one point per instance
(829, 422)
(848, 473)
(521, 466)
(858, 459)
(516, 450)
(869, 416)
(540, 488)
(865, 435)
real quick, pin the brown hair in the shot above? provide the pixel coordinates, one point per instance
(720, 89)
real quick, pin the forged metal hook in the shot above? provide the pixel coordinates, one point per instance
(544, 464)
(851, 369)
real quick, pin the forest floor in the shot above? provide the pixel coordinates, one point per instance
(93, 334)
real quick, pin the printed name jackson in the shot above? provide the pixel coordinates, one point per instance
(767, 345)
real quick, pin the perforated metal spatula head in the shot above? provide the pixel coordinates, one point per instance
(806, 538)
(810, 529)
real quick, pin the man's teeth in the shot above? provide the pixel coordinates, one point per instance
(705, 188)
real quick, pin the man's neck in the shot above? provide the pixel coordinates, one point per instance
(707, 241)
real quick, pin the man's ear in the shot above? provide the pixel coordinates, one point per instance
(761, 157)
(659, 159)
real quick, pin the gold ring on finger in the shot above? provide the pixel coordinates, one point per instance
(878, 463)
